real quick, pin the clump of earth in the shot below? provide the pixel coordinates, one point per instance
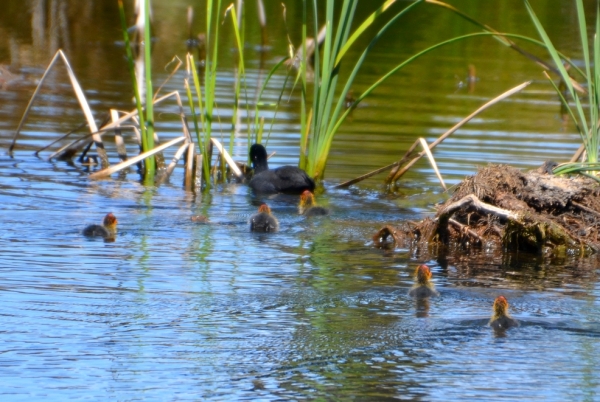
(506, 208)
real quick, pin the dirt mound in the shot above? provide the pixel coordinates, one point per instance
(500, 205)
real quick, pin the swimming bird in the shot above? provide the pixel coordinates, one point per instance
(423, 286)
(501, 320)
(308, 206)
(108, 229)
(263, 221)
(200, 219)
(284, 179)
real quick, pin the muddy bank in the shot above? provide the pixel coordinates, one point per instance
(503, 207)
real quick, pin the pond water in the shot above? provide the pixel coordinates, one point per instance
(176, 310)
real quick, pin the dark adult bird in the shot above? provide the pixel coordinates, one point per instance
(284, 179)
(108, 229)
(501, 320)
(264, 221)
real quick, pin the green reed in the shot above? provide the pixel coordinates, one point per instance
(205, 96)
(203, 140)
(148, 139)
(238, 25)
(320, 123)
(146, 119)
(587, 124)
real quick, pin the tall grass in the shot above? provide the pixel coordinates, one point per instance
(146, 120)
(206, 95)
(587, 124)
(320, 123)
(148, 139)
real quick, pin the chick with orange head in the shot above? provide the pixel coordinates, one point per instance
(263, 221)
(308, 206)
(108, 229)
(423, 287)
(501, 320)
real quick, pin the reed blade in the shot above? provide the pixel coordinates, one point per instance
(559, 65)
(227, 157)
(115, 168)
(432, 161)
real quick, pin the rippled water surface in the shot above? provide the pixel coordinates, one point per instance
(178, 310)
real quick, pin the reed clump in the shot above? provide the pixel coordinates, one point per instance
(322, 113)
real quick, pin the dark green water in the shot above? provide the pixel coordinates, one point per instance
(175, 310)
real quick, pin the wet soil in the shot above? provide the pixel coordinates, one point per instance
(503, 207)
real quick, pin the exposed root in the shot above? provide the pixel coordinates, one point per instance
(386, 237)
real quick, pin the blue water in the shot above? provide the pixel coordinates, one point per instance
(179, 310)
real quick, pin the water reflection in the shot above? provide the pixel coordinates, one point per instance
(422, 307)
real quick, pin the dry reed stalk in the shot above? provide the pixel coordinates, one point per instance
(189, 169)
(129, 115)
(72, 144)
(407, 154)
(114, 169)
(228, 158)
(164, 177)
(36, 153)
(394, 176)
(190, 20)
(171, 74)
(432, 161)
(85, 107)
(120, 144)
(136, 131)
(111, 126)
(132, 115)
(460, 124)
(198, 173)
(159, 159)
(262, 19)
(577, 155)
(366, 175)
